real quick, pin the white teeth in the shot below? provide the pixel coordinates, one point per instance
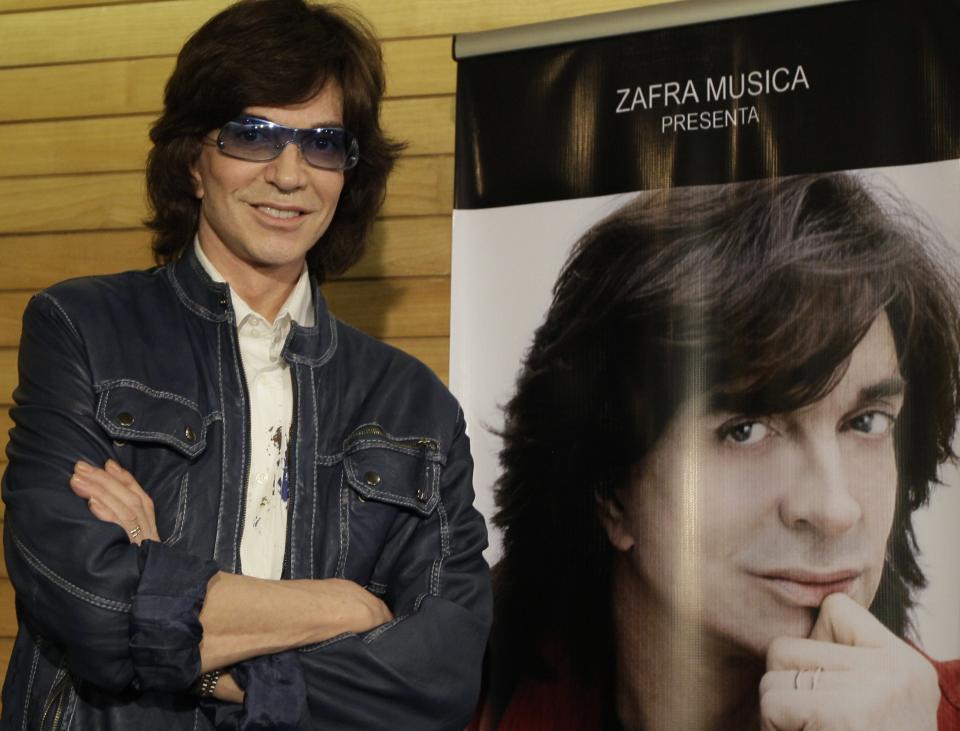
(277, 213)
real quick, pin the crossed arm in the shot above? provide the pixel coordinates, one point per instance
(242, 616)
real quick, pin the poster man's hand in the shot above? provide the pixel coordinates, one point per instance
(850, 674)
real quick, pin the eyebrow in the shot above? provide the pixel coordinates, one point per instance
(893, 386)
(719, 402)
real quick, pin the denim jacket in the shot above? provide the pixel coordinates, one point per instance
(144, 368)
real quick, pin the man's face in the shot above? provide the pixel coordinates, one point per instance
(744, 524)
(267, 215)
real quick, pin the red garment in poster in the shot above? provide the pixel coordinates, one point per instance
(562, 706)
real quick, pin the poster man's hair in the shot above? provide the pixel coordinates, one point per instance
(756, 293)
(271, 53)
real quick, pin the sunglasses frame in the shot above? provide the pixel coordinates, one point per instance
(295, 135)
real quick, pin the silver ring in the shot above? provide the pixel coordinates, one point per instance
(816, 677)
(135, 532)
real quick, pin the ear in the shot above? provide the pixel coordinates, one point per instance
(615, 522)
(197, 178)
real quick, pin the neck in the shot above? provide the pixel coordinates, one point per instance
(670, 673)
(264, 288)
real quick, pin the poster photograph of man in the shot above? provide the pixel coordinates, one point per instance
(737, 400)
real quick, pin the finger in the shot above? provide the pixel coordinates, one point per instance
(101, 511)
(111, 509)
(807, 680)
(795, 653)
(117, 490)
(844, 621)
(130, 482)
(798, 710)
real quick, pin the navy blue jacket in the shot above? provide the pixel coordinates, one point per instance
(144, 367)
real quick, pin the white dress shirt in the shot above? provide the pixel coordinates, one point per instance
(264, 537)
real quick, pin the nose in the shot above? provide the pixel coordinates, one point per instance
(286, 171)
(819, 497)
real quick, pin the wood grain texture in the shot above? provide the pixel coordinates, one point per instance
(160, 28)
(14, 5)
(8, 375)
(415, 67)
(6, 649)
(8, 616)
(419, 186)
(118, 144)
(5, 425)
(398, 247)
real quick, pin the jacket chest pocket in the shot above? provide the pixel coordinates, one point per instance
(389, 486)
(156, 435)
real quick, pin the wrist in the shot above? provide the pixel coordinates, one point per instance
(207, 684)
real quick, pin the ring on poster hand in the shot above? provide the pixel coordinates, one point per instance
(814, 680)
(135, 532)
(816, 677)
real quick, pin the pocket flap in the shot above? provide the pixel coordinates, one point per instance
(403, 472)
(130, 411)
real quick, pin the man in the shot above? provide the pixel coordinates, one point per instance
(737, 400)
(224, 507)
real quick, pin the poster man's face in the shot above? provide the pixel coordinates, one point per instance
(744, 524)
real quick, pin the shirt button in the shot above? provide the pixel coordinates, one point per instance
(261, 477)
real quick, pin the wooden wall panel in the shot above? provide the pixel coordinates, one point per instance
(8, 619)
(159, 28)
(114, 144)
(10, 6)
(6, 645)
(5, 426)
(415, 67)
(8, 375)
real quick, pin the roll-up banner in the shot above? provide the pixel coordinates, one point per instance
(704, 315)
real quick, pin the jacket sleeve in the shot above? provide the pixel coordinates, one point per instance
(120, 615)
(421, 670)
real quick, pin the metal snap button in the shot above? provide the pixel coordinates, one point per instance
(223, 301)
(189, 434)
(125, 418)
(422, 495)
(372, 478)
(119, 443)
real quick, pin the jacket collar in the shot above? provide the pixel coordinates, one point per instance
(312, 346)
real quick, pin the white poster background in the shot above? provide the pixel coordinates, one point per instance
(505, 261)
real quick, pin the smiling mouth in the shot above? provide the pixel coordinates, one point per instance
(280, 213)
(806, 588)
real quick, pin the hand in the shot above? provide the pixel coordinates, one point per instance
(347, 606)
(853, 674)
(228, 690)
(114, 496)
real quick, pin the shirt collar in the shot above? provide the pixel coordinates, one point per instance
(298, 307)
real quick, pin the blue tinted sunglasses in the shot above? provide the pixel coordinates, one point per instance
(259, 140)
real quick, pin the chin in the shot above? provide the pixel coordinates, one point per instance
(753, 635)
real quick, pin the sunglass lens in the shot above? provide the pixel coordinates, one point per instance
(329, 148)
(248, 140)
